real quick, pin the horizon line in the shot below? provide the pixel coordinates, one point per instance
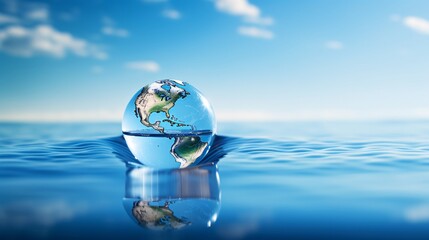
(226, 116)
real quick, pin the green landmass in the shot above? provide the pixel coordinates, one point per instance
(186, 150)
(154, 98)
(178, 124)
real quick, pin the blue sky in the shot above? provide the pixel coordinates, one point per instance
(255, 60)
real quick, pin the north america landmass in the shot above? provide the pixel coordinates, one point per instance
(160, 97)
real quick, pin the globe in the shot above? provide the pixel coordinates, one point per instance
(169, 124)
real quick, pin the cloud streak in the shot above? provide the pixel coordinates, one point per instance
(30, 35)
(255, 32)
(249, 12)
(238, 7)
(146, 66)
(417, 24)
(171, 14)
(117, 32)
(110, 29)
(45, 40)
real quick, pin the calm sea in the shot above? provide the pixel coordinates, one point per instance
(340, 180)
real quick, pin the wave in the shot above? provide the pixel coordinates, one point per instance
(260, 152)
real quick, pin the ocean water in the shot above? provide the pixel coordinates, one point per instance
(338, 180)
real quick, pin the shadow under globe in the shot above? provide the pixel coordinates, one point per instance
(172, 199)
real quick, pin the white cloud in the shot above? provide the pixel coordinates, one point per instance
(172, 14)
(7, 19)
(243, 8)
(38, 14)
(238, 7)
(255, 32)
(44, 39)
(147, 66)
(417, 24)
(110, 29)
(334, 45)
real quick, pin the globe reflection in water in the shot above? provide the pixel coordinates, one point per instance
(172, 199)
(169, 124)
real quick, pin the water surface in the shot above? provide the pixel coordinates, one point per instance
(336, 180)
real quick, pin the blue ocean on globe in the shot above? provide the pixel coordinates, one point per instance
(344, 180)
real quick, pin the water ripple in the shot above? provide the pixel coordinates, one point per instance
(254, 153)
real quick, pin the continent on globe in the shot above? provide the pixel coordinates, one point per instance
(187, 149)
(159, 96)
(156, 217)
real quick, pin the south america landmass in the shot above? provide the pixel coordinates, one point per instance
(186, 150)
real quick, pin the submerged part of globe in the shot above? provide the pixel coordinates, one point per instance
(169, 124)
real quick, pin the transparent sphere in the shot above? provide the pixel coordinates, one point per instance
(169, 124)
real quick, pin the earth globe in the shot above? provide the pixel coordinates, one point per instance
(169, 124)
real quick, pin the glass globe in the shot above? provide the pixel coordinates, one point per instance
(169, 124)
